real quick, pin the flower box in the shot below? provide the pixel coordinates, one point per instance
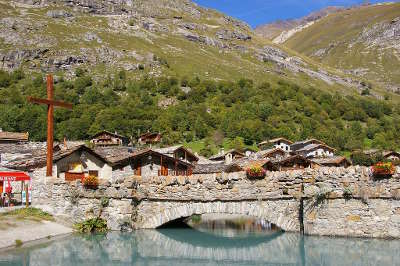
(256, 172)
(90, 181)
(383, 169)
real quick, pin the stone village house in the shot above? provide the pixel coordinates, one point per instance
(13, 137)
(227, 157)
(106, 138)
(312, 148)
(316, 150)
(106, 163)
(179, 152)
(149, 138)
(280, 143)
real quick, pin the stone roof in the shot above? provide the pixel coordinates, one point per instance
(311, 147)
(333, 160)
(110, 155)
(279, 139)
(39, 160)
(14, 136)
(168, 150)
(172, 149)
(115, 154)
(209, 168)
(222, 155)
(204, 160)
(307, 141)
(245, 163)
(264, 153)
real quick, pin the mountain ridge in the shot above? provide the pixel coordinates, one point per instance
(149, 37)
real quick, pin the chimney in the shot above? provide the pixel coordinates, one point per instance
(65, 143)
(222, 151)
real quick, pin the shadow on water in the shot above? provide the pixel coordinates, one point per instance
(201, 239)
(179, 229)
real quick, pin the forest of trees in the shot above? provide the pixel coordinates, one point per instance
(200, 110)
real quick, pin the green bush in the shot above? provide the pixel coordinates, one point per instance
(104, 202)
(195, 218)
(18, 243)
(94, 225)
(347, 193)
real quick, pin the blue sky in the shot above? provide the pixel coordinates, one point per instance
(256, 12)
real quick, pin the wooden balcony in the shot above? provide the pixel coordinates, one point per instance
(74, 176)
(167, 172)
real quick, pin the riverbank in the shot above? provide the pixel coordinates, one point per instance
(20, 226)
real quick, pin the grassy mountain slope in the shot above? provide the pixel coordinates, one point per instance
(274, 29)
(363, 41)
(170, 38)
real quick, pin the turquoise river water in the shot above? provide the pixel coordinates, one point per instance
(191, 247)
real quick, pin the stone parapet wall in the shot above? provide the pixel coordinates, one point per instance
(276, 185)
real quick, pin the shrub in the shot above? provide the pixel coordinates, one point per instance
(18, 242)
(255, 172)
(104, 202)
(94, 225)
(347, 193)
(91, 181)
(321, 196)
(196, 219)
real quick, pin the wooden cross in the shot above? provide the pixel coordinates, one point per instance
(50, 102)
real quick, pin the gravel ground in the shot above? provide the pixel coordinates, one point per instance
(28, 230)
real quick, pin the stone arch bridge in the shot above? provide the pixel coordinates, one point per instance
(283, 213)
(162, 200)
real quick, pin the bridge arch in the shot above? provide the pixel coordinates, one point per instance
(282, 213)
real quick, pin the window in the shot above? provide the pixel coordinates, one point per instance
(75, 168)
(94, 173)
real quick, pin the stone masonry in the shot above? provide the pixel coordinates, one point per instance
(324, 201)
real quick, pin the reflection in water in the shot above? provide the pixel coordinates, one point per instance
(190, 247)
(228, 225)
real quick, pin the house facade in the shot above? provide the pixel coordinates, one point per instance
(274, 153)
(149, 138)
(391, 155)
(13, 137)
(79, 162)
(227, 157)
(149, 163)
(106, 138)
(294, 162)
(281, 143)
(316, 150)
(181, 153)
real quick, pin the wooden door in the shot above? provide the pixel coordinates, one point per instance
(1, 186)
(138, 168)
(164, 169)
